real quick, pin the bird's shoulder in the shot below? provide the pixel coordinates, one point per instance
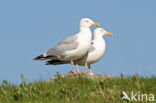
(92, 47)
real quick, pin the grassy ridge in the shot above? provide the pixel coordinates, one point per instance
(76, 90)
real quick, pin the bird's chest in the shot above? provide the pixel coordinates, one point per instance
(84, 46)
(97, 54)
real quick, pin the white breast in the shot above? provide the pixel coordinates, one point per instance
(96, 55)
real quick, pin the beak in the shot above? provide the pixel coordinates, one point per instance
(108, 33)
(95, 24)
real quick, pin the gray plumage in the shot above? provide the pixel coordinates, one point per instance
(58, 62)
(59, 50)
(73, 47)
(67, 44)
(69, 40)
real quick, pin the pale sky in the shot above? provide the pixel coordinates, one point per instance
(30, 27)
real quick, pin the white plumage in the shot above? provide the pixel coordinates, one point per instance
(74, 47)
(95, 52)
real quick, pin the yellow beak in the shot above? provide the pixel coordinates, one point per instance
(108, 33)
(95, 24)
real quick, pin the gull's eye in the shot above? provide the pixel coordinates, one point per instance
(101, 30)
(87, 21)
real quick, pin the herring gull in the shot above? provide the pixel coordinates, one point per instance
(93, 55)
(73, 47)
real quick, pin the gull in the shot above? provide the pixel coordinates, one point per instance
(94, 54)
(73, 47)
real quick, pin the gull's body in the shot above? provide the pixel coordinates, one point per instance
(94, 54)
(74, 47)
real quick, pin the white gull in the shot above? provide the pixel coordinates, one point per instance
(73, 47)
(93, 55)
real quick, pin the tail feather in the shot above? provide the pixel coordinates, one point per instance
(55, 62)
(40, 57)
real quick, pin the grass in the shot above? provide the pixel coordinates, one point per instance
(76, 90)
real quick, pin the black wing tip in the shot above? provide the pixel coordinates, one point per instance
(40, 57)
(54, 62)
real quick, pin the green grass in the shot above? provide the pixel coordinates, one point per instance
(76, 90)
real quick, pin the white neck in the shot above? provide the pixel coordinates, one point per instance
(98, 37)
(84, 29)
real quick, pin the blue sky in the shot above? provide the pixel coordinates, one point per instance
(30, 27)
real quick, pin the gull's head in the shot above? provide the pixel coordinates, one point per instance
(86, 22)
(101, 32)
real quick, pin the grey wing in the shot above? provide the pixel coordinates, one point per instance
(67, 44)
(69, 40)
(92, 48)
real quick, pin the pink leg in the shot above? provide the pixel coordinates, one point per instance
(73, 66)
(85, 67)
(77, 67)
